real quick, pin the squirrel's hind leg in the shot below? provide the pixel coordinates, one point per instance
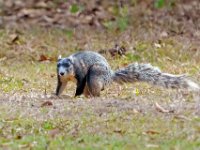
(86, 91)
(96, 79)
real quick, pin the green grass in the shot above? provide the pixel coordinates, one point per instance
(141, 133)
(121, 119)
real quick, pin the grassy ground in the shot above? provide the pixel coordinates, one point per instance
(124, 117)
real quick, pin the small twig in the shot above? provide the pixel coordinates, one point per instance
(161, 109)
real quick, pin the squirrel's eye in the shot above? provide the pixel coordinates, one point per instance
(66, 65)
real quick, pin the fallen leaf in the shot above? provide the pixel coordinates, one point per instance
(135, 111)
(117, 50)
(43, 58)
(47, 103)
(13, 38)
(152, 132)
(157, 45)
(46, 58)
(118, 130)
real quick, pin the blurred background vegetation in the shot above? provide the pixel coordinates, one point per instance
(175, 16)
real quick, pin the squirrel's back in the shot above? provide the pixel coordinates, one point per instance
(90, 57)
(85, 59)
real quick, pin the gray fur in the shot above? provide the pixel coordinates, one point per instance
(93, 73)
(152, 75)
(89, 67)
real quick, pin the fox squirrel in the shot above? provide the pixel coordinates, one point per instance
(92, 73)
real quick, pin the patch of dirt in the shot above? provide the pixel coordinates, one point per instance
(42, 107)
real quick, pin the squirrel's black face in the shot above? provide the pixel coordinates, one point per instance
(65, 67)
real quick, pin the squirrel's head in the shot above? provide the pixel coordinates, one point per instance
(65, 67)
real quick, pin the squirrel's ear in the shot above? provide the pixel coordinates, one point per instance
(71, 59)
(59, 57)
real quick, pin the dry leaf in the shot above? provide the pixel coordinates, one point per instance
(13, 38)
(43, 58)
(118, 130)
(117, 50)
(157, 45)
(152, 132)
(47, 103)
(46, 58)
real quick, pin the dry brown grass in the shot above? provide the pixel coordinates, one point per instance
(32, 116)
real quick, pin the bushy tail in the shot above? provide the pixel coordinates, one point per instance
(150, 74)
